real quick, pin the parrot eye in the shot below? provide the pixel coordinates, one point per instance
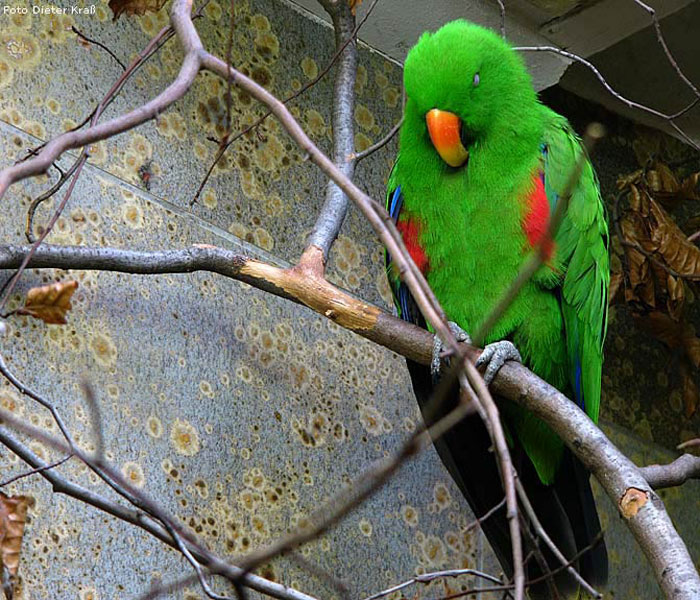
(476, 79)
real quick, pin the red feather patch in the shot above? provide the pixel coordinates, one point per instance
(410, 230)
(536, 219)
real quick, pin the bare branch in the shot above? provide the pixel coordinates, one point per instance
(335, 207)
(662, 43)
(611, 91)
(380, 144)
(513, 381)
(77, 139)
(492, 420)
(694, 443)
(53, 465)
(593, 133)
(225, 145)
(676, 473)
(650, 524)
(430, 577)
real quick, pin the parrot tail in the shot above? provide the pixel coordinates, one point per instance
(565, 509)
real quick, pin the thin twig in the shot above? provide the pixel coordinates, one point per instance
(356, 493)
(489, 513)
(694, 443)
(593, 133)
(380, 144)
(81, 35)
(492, 420)
(321, 574)
(170, 532)
(28, 231)
(667, 52)
(37, 470)
(613, 92)
(224, 147)
(96, 419)
(502, 9)
(430, 577)
(143, 521)
(542, 533)
(167, 588)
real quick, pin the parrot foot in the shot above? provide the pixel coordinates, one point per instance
(495, 356)
(439, 347)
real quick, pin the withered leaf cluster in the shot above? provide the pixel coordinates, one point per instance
(660, 263)
(13, 516)
(50, 303)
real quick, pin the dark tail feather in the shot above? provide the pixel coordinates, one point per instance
(574, 490)
(566, 509)
(464, 451)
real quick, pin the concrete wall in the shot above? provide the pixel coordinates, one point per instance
(239, 412)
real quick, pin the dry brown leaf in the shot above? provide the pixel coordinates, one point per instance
(134, 7)
(50, 303)
(681, 255)
(13, 516)
(661, 179)
(354, 4)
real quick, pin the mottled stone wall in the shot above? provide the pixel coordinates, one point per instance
(238, 411)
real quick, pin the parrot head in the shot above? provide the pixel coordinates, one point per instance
(465, 87)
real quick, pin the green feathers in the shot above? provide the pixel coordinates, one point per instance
(471, 218)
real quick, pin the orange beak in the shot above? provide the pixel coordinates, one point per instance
(444, 129)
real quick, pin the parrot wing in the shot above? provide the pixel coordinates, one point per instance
(582, 255)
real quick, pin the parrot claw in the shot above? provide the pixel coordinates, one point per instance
(495, 356)
(439, 347)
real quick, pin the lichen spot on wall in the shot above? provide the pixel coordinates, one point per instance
(364, 117)
(209, 198)
(213, 11)
(6, 73)
(206, 389)
(132, 215)
(409, 515)
(19, 49)
(103, 349)
(309, 67)
(89, 594)
(133, 473)
(362, 142)
(154, 427)
(184, 438)
(360, 80)
(365, 527)
(442, 496)
(373, 421)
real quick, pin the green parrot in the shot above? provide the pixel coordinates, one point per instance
(480, 169)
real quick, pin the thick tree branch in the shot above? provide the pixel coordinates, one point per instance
(618, 475)
(676, 473)
(294, 284)
(335, 207)
(642, 509)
